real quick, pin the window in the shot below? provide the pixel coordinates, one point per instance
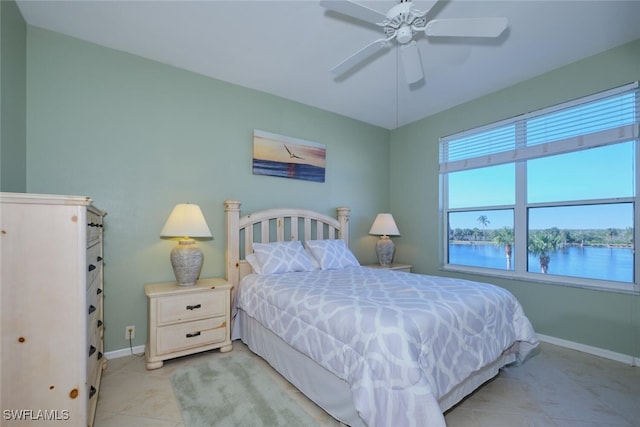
(549, 195)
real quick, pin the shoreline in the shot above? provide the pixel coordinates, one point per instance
(577, 245)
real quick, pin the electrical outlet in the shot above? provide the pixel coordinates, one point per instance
(129, 332)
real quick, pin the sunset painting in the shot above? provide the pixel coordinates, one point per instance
(287, 157)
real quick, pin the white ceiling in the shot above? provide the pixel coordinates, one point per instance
(286, 48)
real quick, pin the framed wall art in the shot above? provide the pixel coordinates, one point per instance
(286, 157)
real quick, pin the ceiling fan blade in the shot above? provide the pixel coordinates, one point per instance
(355, 10)
(361, 55)
(466, 27)
(411, 62)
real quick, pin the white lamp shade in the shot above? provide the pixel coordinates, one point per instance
(186, 220)
(384, 225)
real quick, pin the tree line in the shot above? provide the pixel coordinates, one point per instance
(542, 243)
(586, 237)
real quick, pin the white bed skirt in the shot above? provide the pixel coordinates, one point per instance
(324, 388)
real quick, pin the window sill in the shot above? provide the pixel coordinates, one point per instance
(598, 285)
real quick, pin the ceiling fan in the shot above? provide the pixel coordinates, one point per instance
(402, 22)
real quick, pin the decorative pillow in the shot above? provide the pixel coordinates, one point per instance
(314, 261)
(332, 254)
(252, 259)
(282, 257)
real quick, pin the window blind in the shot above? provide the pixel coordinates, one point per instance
(601, 119)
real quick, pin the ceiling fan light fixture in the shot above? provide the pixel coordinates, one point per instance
(404, 34)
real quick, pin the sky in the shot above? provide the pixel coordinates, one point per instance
(600, 173)
(268, 146)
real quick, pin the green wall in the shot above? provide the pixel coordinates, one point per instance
(13, 96)
(138, 137)
(601, 319)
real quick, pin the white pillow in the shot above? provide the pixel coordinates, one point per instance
(332, 254)
(282, 257)
(314, 261)
(252, 259)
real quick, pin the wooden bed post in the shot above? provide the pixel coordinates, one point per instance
(232, 254)
(343, 218)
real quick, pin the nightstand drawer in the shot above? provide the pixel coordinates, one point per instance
(190, 307)
(192, 334)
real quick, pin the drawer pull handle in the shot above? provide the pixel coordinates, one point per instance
(195, 334)
(92, 267)
(92, 391)
(99, 323)
(100, 355)
(99, 259)
(92, 308)
(193, 307)
(99, 291)
(92, 350)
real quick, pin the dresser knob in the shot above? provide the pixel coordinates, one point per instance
(92, 391)
(92, 350)
(92, 267)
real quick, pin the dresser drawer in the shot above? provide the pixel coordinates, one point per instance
(94, 293)
(198, 333)
(94, 263)
(190, 307)
(94, 227)
(94, 364)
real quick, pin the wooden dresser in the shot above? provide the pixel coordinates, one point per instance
(51, 318)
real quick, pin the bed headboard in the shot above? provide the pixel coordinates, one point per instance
(275, 225)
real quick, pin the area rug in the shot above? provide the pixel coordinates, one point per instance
(234, 390)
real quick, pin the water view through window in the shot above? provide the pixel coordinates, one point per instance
(589, 241)
(604, 263)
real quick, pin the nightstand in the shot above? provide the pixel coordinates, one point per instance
(398, 267)
(187, 319)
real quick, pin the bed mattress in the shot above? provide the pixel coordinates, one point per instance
(400, 341)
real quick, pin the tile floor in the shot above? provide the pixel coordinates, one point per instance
(558, 387)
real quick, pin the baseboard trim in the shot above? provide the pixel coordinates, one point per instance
(607, 354)
(139, 349)
(595, 351)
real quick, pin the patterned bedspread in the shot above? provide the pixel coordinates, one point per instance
(400, 340)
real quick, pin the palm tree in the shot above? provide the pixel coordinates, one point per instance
(504, 237)
(611, 233)
(541, 243)
(483, 220)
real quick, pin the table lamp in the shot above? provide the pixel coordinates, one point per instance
(186, 221)
(384, 226)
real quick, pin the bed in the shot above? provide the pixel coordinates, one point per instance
(370, 346)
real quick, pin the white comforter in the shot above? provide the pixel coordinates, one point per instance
(400, 340)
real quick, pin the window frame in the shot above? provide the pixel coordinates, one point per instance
(521, 207)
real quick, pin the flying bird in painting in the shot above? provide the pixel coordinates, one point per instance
(291, 155)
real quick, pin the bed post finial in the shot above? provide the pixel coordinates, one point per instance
(231, 205)
(343, 218)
